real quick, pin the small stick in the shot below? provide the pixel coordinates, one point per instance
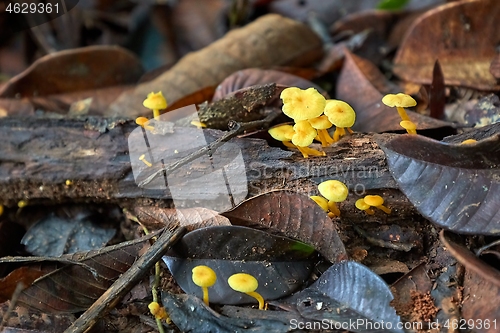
(126, 282)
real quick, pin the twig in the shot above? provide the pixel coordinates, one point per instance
(235, 129)
(125, 283)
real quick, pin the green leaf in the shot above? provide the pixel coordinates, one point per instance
(391, 4)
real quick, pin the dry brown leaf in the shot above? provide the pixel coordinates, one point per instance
(73, 70)
(462, 35)
(191, 218)
(268, 41)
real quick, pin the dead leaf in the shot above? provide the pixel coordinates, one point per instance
(268, 41)
(255, 76)
(192, 218)
(75, 70)
(462, 35)
(294, 215)
(362, 85)
(73, 288)
(437, 93)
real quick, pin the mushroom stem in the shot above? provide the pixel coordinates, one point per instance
(258, 297)
(143, 159)
(156, 113)
(325, 138)
(384, 208)
(205, 295)
(306, 151)
(332, 206)
(339, 132)
(402, 113)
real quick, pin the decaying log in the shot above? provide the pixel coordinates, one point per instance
(88, 160)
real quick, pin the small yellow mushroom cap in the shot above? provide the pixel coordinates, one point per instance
(398, 100)
(304, 134)
(301, 104)
(155, 101)
(282, 132)
(340, 113)
(243, 282)
(204, 276)
(320, 122)
(141, 121)
(322, 202)
(468, 142)
(361, 204)
(333, 190)
(374, 200)
(408, 125)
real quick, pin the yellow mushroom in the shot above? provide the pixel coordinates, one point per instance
(322, 202)
(285, 133)
(158, 311)
(335, 191)
(303, 136)
(246, 283)
(145, 161)
(155, 102)
(204, 277)
(321, 124)
(468, 142)
(362, 205)
(409, 126)
(301, 104)
(282, 132)
(376, 201)
(341, 115)
(142, 121)
(400, 101)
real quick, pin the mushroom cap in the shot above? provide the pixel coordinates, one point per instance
(361, 204)
(301, 104)
(243, 282)
(320, 122)
(282, 132)
(204, 276)
(398, 100)
(408, 125)
(333, 190)
(340, 113)
(373, 200)
(468, 142)
(322, 202)
(141, 121)
(155, 101)
(304, 134)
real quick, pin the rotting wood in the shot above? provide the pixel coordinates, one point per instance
(38, 155)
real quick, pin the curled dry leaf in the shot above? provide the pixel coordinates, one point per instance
(481, 298)
(192, 218)
(362, 85)
(463, 35)
(268, 41)
(255, 76)
(294, 215)
(455, 186)
(56, 288)
(73, 70)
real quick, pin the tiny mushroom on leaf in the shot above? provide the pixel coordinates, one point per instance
(341, 115)
(400, 101)
(335, 191)
(468, 142)
(301, 104)
(158, 311)
(246, 283)
(204, 277)
(362, 205)
(155, 102)
(376, 201)
(409, 126)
